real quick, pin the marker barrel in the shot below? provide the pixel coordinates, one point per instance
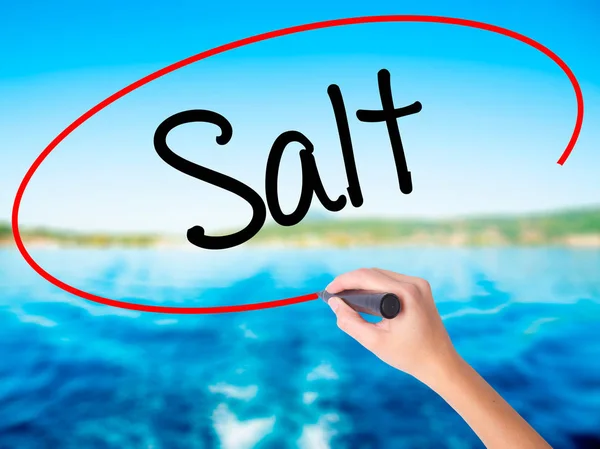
(386, 305)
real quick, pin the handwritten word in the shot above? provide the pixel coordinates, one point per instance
(311, 180)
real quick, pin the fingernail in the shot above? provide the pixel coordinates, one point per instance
(334, 303)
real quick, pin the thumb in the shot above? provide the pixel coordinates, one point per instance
(348, 320)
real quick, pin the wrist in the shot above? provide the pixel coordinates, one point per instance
(446, 367)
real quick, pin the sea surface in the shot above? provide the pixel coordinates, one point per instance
(76, 374)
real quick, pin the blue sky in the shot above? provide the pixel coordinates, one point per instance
(496, 114)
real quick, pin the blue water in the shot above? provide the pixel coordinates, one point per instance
(75, 374)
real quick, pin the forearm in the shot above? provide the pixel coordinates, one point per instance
(494, 421)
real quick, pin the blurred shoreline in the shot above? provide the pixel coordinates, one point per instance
(567, 228)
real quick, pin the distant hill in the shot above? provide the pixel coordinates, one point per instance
(570, 227)
(53, 237)
(578, 227)
(4, 230)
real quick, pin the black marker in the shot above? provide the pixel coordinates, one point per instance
(386, 305)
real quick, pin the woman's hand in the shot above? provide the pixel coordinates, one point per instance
(416, 341)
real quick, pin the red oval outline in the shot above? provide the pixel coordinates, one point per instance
(230, 46)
